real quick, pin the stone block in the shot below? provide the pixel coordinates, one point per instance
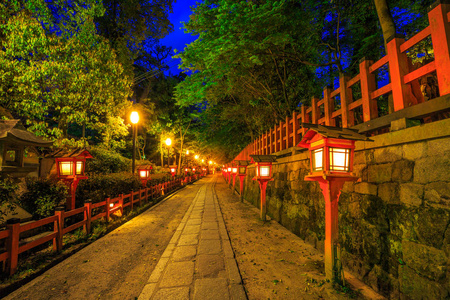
(414, 151)
(380, 173)
(427, 261)
(183, 253)
(361, 171)
(389, 192)
(210, 266)
(348, 187)
(430, 226)
(437, 194)
(403, 123)
(209, 247)
(438, 147)
(411, 194)
(188, 239)
(209, 288)
(233, 271)
(178, 274)
(388, 154)
(431, 169)
(179, 293)
(294, 175)
(403, 170)
(366, 188)
(414, 286)
(359, 158)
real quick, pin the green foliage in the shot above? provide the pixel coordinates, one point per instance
(106, 161)
(54, 80)
(98, 187)
(7, 196)
(43, 196)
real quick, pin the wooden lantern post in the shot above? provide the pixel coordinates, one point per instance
(70, 169)
(144, 172)
(173, 170)
(331, 164)
(234, 171)
(242, 173)
(263, 175)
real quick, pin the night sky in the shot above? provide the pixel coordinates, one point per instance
(178, 39)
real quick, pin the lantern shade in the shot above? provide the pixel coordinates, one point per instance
(242, 170)
(331, 148)
(263, 166)
(234, 170)
(66, 168)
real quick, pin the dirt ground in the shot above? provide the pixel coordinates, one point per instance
(274, 263)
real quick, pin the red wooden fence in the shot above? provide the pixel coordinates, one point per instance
(402, 85)
(110, 205)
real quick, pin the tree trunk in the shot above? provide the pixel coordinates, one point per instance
(388, 28)
(385, 18)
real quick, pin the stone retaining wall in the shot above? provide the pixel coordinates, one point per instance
(394, 224)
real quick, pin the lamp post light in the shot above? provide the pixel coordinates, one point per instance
(242, 173)
(173, 170)
(71, 169)
(263, 175)
(234, 172)
(144, 173)
(134, 118)
(168, 143)
(331, 152)
(229, 174)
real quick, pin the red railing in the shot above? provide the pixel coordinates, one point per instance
(403, 85)
(11, 235)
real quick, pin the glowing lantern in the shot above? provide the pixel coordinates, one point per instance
(331, 156)
(144, 172)
(263, 175)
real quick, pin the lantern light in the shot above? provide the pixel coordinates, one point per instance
(111, 205)
(234, 169)
(187, 152)
(196, 156)
(65, 168)
(134, 117)
(168, 141)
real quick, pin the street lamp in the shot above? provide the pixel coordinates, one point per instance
(173, 170)
(234, 172)
(331, 152)
(263, 175)
(168, 143)
(134, 118)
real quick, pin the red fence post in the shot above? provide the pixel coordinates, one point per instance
(398, 68)
(347, 117)
(368, 85)
(131, 199)
(107, 209)
(87, 215)
(440, 37)
(121, 202)
(59, 212)
(328, 105)
(315, 114)
(288, 132)
(12, 244)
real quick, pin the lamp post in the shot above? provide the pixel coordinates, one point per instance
(134, 118)
(234, 172)
(242, 173)
(173, 170)
(229, 174)
(168, 143)
(331, 152)
(263, 175)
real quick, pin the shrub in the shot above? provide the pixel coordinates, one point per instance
(106, 161)
(100, 186)
(43, 196)
(7, 196)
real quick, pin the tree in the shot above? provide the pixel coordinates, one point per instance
(53, 78)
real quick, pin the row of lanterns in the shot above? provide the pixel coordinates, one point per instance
(331, 152)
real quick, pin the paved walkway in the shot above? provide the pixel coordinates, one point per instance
(199, 262)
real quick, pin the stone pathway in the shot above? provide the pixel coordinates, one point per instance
(199, 262)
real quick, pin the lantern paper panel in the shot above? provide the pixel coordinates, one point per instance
(234, 170)
(317, 157)
(242, 170)
(66, 168)
(80, 168)
(339, 159)
(265, 171)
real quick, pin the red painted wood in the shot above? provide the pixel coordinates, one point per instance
(12, 247)
(417, 38)
(346, 99)
(398, 68)
(381, 91)
(37, 223)
(368, 85)
(353, 80)
(378, 64)
(328, 106)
